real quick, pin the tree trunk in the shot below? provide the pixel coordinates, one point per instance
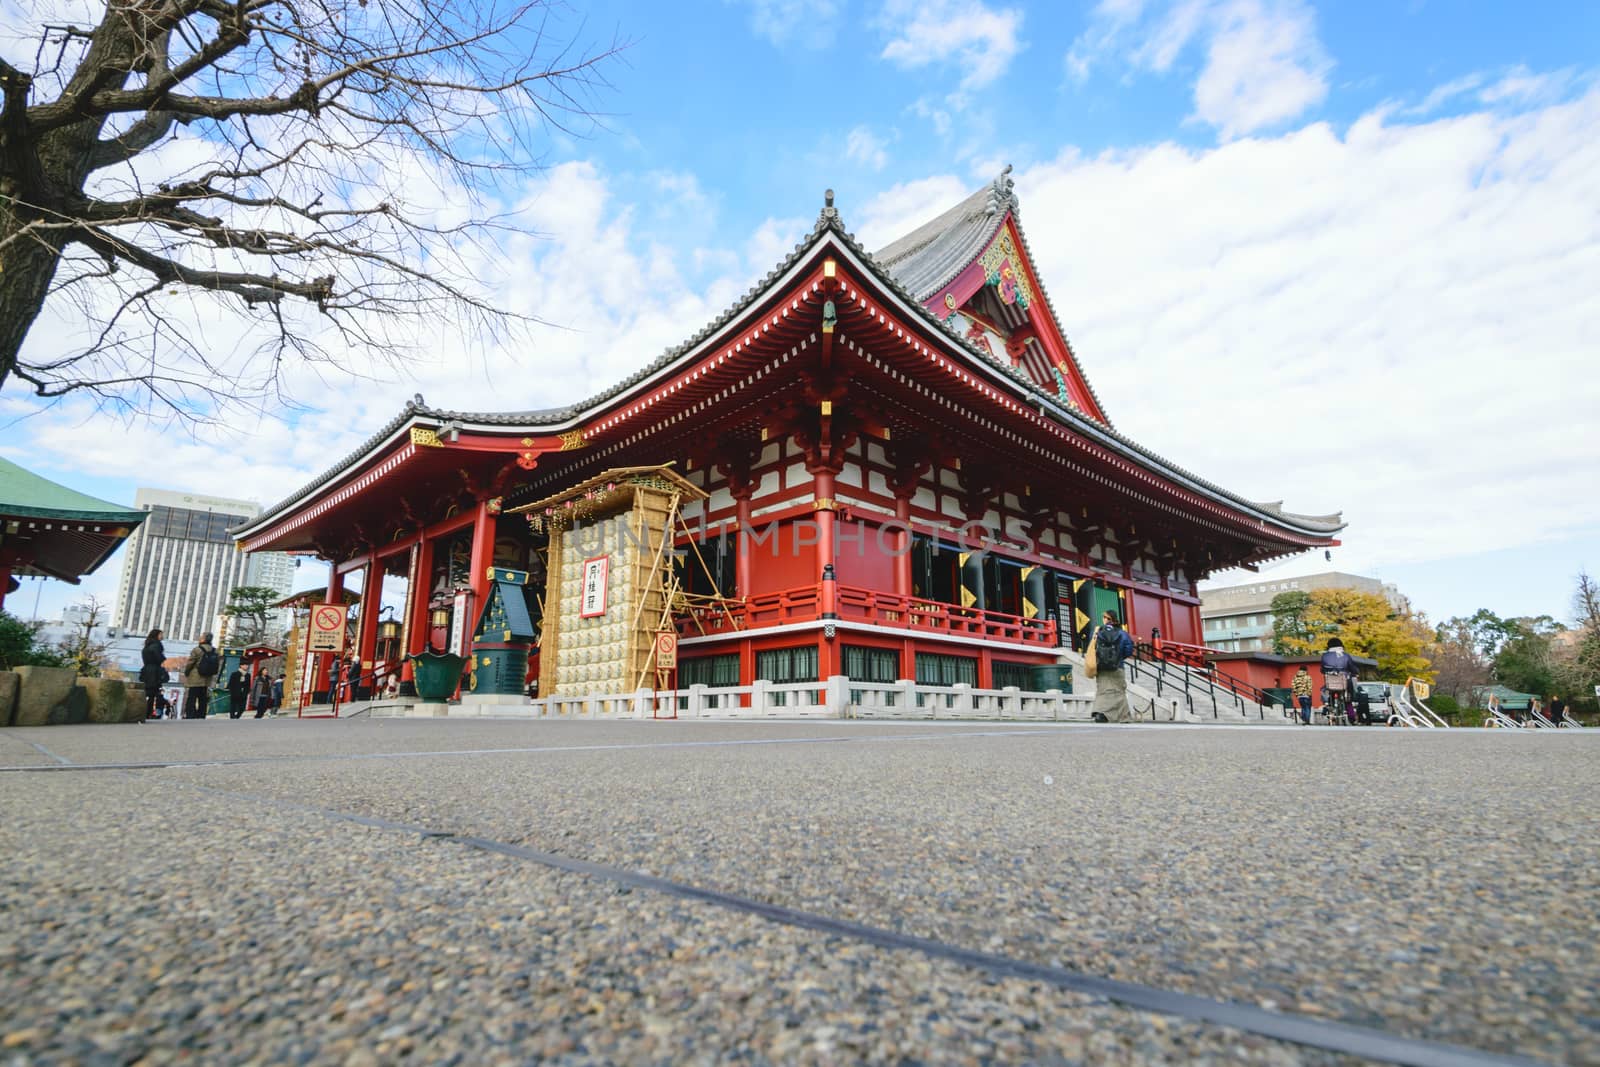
(27, 266)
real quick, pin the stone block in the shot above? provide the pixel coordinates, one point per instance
(8, 697)
(45, 696)
(107, 699)
(133, 704)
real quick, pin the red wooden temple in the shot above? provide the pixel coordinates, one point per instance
(909, 476)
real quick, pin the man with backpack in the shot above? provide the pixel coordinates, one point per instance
(1112, 648)
(199, 669)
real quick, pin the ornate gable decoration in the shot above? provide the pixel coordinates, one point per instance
(1002, 267)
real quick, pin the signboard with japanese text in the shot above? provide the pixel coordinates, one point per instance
(459, 630)
(327, 628)
(593, 597)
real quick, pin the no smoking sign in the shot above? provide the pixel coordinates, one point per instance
(327, 628)
(666, 651)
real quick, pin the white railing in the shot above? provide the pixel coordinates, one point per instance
(835, 698)
(908, 700)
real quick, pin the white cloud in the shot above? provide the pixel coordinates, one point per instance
(1395, 322)
(978, 40)
(862, 146)
(788, 22)
(1521, 86)
(902, 208)
(1263, 66)
(1444, 93)
(772, 242)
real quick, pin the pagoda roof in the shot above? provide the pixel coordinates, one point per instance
(23, 492)
(929, 250)
(57, 532)
(930, 257)
(307, 597)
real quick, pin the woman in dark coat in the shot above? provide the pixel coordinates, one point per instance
(261, 694)
(152, 675)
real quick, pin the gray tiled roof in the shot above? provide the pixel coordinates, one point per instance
(926, 250)
(925, 259)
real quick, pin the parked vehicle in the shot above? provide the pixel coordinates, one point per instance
(1380, 699)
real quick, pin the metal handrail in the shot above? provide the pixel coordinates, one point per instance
(1196, 658)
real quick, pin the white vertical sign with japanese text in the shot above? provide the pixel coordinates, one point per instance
(595, 571)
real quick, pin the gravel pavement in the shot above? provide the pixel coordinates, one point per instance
(1355, 875)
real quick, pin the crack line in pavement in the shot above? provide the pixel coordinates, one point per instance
(61, 761)
(235, 761)
(1302, 1030)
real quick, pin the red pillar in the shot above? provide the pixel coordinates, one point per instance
(483, 531)
(828, 597)
(825, 504)
(417, 596)
(371, 604)
(902, 561)
(741, 572)
(5, 581)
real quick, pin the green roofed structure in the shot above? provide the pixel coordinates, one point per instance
(50, 531)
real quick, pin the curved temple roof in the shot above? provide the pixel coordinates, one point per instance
(912, 267)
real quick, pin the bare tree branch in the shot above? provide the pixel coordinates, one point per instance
(322, 126)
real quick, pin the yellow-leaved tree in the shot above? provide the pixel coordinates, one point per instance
(1369, 627)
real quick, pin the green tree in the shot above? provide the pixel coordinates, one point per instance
(252, 606)
(20, 646)
(1526, 659)
(1288, 620)
(1369, 627)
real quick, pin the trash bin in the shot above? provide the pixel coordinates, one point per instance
(438, 674)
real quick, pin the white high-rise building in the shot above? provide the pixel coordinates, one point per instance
(180, 563)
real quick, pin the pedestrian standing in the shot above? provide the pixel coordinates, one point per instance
(1112, 648)
(1558, 708)
(277, 693)
(1301, 686)
(261, 695)
(238, 691)
(199, 671)
(153, 674)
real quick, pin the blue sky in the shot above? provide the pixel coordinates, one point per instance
(1347, 255)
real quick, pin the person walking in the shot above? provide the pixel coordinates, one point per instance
(1558, 708)
(1301, 687)
(199, 670)
(152, 675)
(277, 693)
(261, 695)
(238, 691)
(1363, 707)
(1112, 647)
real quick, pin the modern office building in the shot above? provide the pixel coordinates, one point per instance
(181, 563)
(1238, 618)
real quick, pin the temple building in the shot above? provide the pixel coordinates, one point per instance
(50, 531)
(884, 466)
